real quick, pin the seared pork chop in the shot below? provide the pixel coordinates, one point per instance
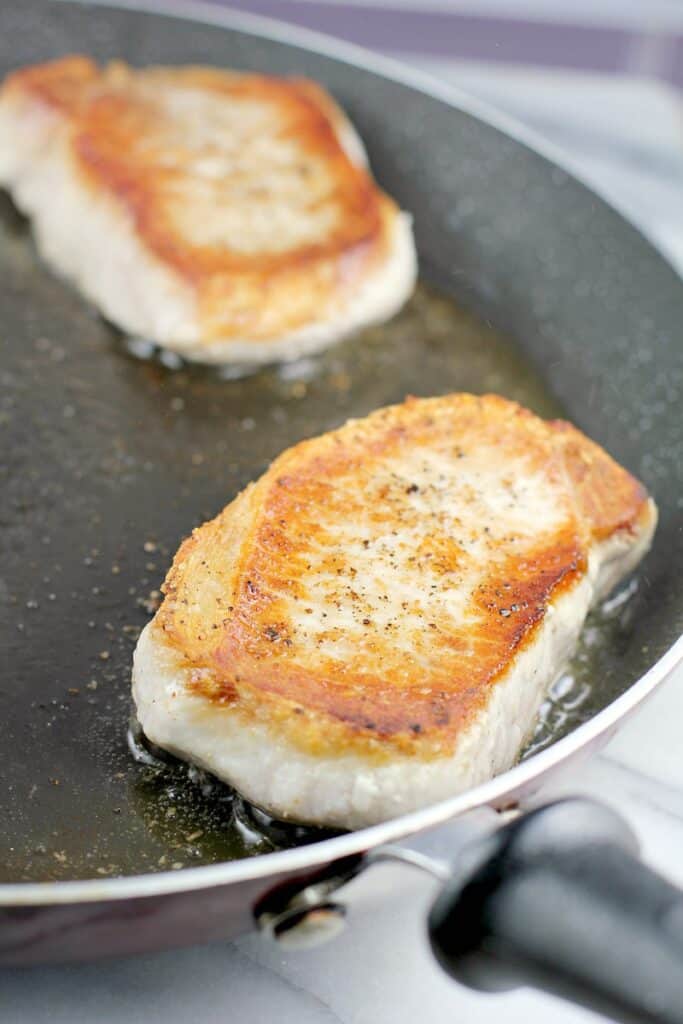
(372, 625)
(230, 217)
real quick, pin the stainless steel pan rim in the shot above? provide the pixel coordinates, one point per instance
(492, 793)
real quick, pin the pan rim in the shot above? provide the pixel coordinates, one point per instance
(489, 793)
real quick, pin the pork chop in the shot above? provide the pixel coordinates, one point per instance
(230, 217)
(373, 624)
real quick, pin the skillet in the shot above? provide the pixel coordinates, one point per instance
(534, 287)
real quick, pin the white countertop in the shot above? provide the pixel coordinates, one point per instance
(379, 971)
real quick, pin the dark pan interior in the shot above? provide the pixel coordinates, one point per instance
(108, 460)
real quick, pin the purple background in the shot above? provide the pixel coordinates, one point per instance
(635, 46)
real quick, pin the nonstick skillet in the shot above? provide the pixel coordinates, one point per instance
(532, 286)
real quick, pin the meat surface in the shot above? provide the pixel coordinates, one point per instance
(372, 625)
(229, 217)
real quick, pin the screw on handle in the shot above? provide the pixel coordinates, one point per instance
(558, 899)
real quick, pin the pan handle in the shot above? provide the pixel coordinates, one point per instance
(558, 899)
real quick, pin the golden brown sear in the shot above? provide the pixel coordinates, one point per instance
(372, 587)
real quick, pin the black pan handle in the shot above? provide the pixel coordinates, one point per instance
(559, 899)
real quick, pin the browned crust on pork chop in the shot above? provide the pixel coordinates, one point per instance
(239, 596)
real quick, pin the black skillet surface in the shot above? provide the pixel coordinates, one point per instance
(109, 460)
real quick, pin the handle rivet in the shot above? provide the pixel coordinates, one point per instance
(304, 927)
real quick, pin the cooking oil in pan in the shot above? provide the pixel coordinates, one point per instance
(572, 697)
